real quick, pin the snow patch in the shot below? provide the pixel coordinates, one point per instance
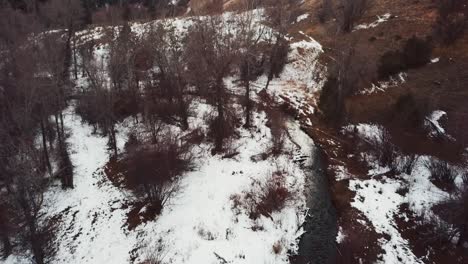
(380, 20)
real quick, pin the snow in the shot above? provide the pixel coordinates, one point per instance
(382, 86)
(368, 132)
(340, 237)
(378, 198)
(198, 225)
(91, 230)
(423, 194)
(379, 201)
(341, 173)
(434, 126)
(380, 20)
(302, 17)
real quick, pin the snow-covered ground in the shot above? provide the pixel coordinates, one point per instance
(379, 199)
(199, 224)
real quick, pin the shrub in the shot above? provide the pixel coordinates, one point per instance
(65, 172)
(451, 21)
(331, 109)
(155, 170)
(265, 198)
(409, 112)
(391, 63)
(442, 174)
(417, 52)
(406, 163)
(325, 12)
(222, 130)
(132, 143)
(465, 178)
(439, 232)
(345, 76)
(386, 151)
(277, 247)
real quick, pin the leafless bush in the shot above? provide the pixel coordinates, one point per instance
(65, 172)
(280, 13)
(222, 130)
(465, 178)
(386, 151)
(406, 163)
(452, 20)
(416, 53)
(277, 247)
(265, 198)
(439, 231)
(326, 11)
(277, 59)
(344, 78)
(277, 124)
(133, 143)
(455, 212)
(155, 170)
(155, 255)
(350, 12)
(442, 174)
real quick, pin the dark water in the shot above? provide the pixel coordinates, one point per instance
(317, 245)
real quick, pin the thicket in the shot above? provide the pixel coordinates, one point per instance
(451, 21)
(415, 53)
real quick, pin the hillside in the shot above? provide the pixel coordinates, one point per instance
(316, 131)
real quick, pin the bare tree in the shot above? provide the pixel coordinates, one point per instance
(343, 81)
(277, 122)
(68, 14)
(350, 12)
(212, 49)
(26, 196)
(250, 65)
(155, 170)
(97, 102)
(277, 58)
(168, 49)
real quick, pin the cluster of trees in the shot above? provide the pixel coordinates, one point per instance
(34, 87)
(152, 78)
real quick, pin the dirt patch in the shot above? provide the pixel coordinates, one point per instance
(141, 212)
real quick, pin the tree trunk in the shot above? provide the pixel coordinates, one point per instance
(61, 124)
(6, 245)
(75, 64)
(268, 81)
(248, 104)
(36, 246)
(113, 140)
(57, 127)
(44, 146)
(219, 138)
(463, 237)
(182, 109)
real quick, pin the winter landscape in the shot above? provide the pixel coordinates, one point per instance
(233, 131)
